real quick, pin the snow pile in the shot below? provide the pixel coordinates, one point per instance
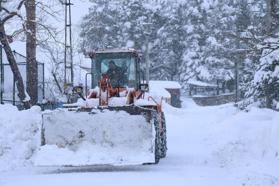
(19, 132)
(107, 137)
(272, 135)
(245, 144)
(247, 136)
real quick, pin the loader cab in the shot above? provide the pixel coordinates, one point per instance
(122, 67)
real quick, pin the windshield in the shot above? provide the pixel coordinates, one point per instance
(120, 68)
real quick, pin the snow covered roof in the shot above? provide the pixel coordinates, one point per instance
(200, 83)
(158, 88)
(165, 84)
(116, 50)
(113, 50)
(159, 92)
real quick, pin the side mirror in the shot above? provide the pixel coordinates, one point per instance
(78, 90)
(144, 87)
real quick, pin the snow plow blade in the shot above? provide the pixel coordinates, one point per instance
(114, 136)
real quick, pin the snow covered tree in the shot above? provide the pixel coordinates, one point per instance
(171, 41)
(206, 40)
(265, 82)
(101, 28)
(193, 66)
(34, 25)
(6, 14)
(123, 24)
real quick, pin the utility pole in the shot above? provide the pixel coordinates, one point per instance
(1, 70)
(68, 53)
(147, 59)
(1, 63)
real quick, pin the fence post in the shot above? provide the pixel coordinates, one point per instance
(43, 81)
(86, 84)
(2, 75)
(13, 90)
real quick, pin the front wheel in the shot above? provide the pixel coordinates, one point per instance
(154, 119)
(160, 137)
(163, 137)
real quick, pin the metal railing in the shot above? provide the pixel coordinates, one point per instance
(8, 84)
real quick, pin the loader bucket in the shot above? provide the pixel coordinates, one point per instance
(114, 136)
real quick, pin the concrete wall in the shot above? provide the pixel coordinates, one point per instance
(214, 100)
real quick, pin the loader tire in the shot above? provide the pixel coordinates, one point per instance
(158, 148)
(163, 137)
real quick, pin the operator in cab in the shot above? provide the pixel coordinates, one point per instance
(115, 74)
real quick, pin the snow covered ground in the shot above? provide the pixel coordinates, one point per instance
(217, 145)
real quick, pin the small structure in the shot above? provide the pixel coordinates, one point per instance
(170, 90)
(201, 88)
(8, 89)
(206, 94)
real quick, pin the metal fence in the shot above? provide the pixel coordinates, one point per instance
(8, 87)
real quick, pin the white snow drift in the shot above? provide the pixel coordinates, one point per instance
(218, 145)
(19, 136)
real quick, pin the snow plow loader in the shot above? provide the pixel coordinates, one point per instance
(118, 122)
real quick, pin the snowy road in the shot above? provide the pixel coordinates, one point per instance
(207, 146)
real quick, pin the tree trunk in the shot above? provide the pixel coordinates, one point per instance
(12, 62)
(57, 82)
(32, 66)
(268, 15)
(271, 16)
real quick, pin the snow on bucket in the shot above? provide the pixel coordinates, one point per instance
(82, 138)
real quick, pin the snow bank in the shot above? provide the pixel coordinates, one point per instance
(245, 137)
(272, 135)
(244, 144)
(215, 145)
(19, 133)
